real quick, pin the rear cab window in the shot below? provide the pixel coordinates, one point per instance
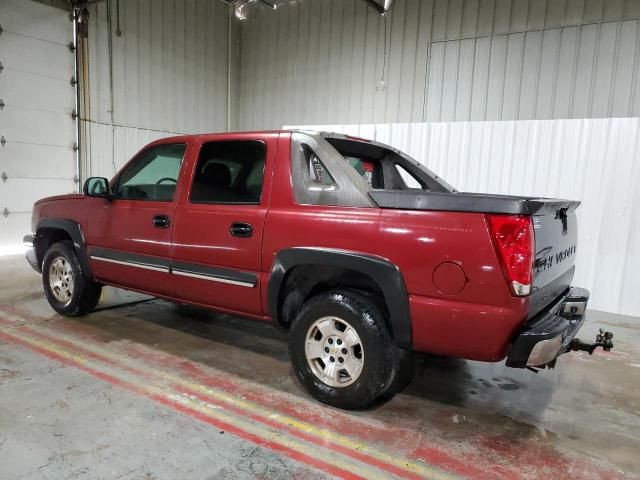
(318, 173)
(320, 176)
(332, 169)
(369, 170)
(410, 181)
(384, 168)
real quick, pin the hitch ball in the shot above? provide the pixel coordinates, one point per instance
(604, 340)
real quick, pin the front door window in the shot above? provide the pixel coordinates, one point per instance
(153, 175)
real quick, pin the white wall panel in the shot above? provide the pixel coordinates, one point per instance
(12, 228)
(36, 123)
(112, 146)
(439, 60)
(591, 160)
(29, 160)
(24, 192)
(24, 90)
(38, 22)
(39, 127)
(166, 73)
(45, 58)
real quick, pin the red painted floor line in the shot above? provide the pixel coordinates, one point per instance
(467, 470)
(432, 456)
(474, 465)
(302, 458)
(320, 442)
(230, 387)
(367, 459)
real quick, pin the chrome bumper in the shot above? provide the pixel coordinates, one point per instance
(32, 257)
(551, 333)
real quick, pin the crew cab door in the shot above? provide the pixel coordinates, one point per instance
(129, 236)
(219, 220)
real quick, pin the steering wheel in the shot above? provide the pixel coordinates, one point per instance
(167, 179)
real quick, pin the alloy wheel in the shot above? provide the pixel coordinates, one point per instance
(61, 280)
(334, 351)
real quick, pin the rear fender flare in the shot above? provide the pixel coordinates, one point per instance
(385, 274)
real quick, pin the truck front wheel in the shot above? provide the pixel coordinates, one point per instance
(67, 288)
(341, 349)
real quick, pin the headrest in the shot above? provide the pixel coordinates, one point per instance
(217, 175)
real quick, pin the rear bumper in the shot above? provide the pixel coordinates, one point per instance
(30, 252)
(551, 332)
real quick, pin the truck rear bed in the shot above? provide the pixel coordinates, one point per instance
(554, 227)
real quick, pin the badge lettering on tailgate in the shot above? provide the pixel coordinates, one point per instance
(548, 261)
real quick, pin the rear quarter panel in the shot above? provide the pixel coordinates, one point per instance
(476, 322)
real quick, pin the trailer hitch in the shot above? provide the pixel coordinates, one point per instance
(603, 339)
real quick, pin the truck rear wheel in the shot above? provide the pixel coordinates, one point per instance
(67, 288)
(341, 349)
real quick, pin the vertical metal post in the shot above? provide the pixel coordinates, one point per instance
(76, 67)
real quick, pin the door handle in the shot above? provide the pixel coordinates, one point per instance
(161, 221)
(240, 229)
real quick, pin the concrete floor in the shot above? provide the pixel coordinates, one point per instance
(144, 389)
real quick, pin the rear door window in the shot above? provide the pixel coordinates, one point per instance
(229, 172)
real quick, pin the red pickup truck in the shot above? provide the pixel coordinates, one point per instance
(351, 246)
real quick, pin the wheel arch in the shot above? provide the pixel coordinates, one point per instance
(317, 267)
(52, 230)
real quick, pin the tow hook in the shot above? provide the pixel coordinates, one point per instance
(603, 339)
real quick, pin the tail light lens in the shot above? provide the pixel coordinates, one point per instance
(513, 238)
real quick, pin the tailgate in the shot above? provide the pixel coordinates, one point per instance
(556, 233)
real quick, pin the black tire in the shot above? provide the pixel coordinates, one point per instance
(86, 293)
(379, 357)
(404, 376)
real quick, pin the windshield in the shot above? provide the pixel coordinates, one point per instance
(384, 168)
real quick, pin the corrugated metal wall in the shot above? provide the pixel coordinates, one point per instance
(169, 75)
(582, 71)
(494, 77)
(439, 60)
(592, 160)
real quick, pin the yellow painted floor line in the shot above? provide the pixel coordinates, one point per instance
(412, 467)
(214, 411)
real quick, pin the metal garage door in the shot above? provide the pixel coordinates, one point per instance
(37, 132)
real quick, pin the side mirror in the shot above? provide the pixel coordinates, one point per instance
(96, 187)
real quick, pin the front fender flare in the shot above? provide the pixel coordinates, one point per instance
(73, 229)
(385, 274)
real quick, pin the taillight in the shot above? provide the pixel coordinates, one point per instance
(514, 242)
